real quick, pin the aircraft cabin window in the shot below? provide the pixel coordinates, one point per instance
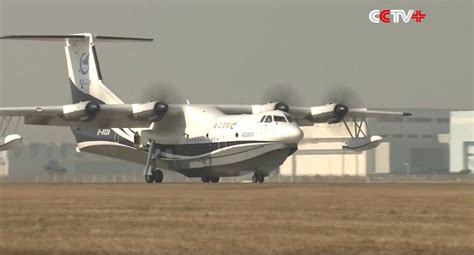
(268, 119)
(279, 119)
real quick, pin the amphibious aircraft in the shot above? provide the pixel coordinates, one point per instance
(207, 141)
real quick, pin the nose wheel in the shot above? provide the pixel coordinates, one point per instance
(257, 177)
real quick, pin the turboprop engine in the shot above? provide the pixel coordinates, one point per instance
(82, 111)
(259, 108)
(330, 113)
(151, 111)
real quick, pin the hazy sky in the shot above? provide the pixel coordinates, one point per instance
(233, 51)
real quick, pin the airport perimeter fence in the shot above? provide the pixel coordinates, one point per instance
(174, 178)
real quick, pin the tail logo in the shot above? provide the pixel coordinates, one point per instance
(84, 63)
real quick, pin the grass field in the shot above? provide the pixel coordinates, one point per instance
(236, 219)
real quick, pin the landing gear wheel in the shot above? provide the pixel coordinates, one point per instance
(149, 178)
(207, 179)
(258, 178)
(158, 176)
(255, 178)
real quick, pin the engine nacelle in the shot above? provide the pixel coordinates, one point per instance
(151, 111)
(83, 111)
(330, 113)
(268, 107)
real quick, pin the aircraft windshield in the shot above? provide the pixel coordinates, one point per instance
(279, 119)
(290, 119)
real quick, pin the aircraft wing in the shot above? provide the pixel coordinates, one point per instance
(308, 116)
(89, 114)
(365, 113)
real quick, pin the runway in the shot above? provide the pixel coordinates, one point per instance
(198, 218)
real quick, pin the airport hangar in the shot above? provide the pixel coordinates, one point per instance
(461, 141)
(415, 145)
(411, 146)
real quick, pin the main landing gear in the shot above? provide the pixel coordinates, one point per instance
(151, 173)
(207, 179)
(257, 177)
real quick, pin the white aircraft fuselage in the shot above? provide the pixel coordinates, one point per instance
(211, 143)
(215, 144)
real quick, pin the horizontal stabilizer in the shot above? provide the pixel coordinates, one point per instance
(73, 37)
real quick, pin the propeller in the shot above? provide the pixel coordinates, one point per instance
(344, 95)
(284, 95)
(163, 92)
(166, 94)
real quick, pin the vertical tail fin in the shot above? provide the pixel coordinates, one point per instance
(83, 64)
(84, 69)
(84, 72)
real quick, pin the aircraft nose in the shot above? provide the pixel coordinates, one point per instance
(294, 134)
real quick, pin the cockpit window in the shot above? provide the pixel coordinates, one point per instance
(279, 119)
(263, 118)
(290, 119)
(268, 119)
